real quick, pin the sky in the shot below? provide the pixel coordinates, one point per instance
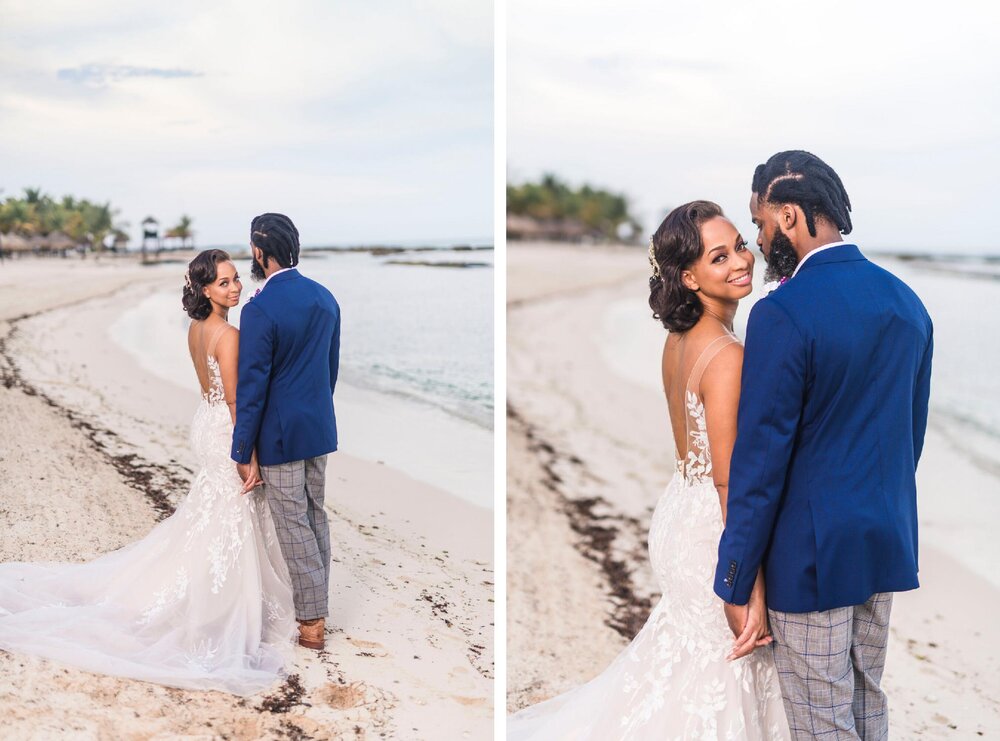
(365, 122)
(670, 102)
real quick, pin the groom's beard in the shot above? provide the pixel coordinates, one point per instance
(782, 261)
(256, 269)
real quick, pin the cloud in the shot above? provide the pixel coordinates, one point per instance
(668, 107)
(635, 62)
(365, 121)
(99, 75)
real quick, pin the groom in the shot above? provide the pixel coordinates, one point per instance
(822, 492)
(288, 362)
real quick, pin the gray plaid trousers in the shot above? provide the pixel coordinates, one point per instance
(829, 667)
(294, 493)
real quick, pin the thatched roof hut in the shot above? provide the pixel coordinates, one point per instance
(14, 243)
(61, 241)
(558, 230)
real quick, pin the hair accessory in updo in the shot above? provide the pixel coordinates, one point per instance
(652, 259)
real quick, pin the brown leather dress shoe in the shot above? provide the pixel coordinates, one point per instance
(311, 633)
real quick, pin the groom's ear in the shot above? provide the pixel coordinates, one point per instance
(788, 216)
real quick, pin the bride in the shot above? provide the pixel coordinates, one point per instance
(204, 600)
(683, 677)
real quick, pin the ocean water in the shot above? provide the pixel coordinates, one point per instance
(423, 333)
(963, 300)
(416, 382)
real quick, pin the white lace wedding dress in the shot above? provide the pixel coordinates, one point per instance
(204, 601)
(673, 680)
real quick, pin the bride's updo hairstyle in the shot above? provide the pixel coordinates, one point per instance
(674, 248)
(202, 271)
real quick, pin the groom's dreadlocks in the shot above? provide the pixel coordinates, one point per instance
(808, 182)
(276, 236)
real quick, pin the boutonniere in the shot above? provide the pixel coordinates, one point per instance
(774, 285)
(255, 295)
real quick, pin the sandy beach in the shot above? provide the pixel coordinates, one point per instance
(94, 452)
(589, 451)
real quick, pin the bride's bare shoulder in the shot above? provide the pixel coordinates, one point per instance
(194, 329)
(724, 369)
(228, 338)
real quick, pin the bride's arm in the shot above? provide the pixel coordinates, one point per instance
(720, 390)
(227, 352)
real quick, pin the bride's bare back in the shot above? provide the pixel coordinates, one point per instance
(701, 381)
(218, 340)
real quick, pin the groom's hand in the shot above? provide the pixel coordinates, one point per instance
(749, 623)
(250, 473)
(754, 635)
(736, 616)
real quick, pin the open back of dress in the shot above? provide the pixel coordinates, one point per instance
(681, 360)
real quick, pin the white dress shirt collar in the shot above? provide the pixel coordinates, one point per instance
(285, 270)
(813, 252)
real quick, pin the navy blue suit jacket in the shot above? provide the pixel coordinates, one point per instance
(289, 358)
(832, 414)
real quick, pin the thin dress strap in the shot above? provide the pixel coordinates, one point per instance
(712, 349)
(214, 340)
(697, 460)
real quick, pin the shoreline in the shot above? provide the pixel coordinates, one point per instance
(588, 452)
(409, 644)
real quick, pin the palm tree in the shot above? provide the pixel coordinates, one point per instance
(183, 230)
(587, 210)
(17, 215)
(98, 220)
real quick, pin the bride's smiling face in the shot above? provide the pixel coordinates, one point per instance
(225, 290)
(725, 268)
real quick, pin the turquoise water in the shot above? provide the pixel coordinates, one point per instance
(420, 332)
(963, 299)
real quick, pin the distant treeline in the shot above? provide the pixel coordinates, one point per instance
(551, 209)
(38, 222)
(39, 214)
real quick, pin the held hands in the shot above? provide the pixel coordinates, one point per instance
(250, 473)
(749, 622)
